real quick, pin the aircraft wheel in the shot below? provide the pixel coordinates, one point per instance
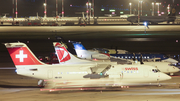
(41, 83)
(171, 74)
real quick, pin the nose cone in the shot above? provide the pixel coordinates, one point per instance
(171, 60)
(163, 77)
(176, 69)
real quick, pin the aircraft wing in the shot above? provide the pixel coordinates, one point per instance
(98, 71)
(100, 68)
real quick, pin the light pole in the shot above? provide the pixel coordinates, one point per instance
(138, 13)
(134, 11)
(13, 10)
(45, 10)
(152, 8)
(62, 8)
(141, 7)
(158, 8)
(16, 9)
(87, 11)
(56, 8)
(130, 7)
(90, 9)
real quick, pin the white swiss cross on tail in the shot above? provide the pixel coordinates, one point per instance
(21, 56)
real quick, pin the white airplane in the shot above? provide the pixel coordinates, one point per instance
(72, 59)
(79, 75)
(87, 54)
(155, 19)
(75, 60)
(146, 57)
(163, 66)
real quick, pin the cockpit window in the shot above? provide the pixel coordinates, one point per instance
(155, 70)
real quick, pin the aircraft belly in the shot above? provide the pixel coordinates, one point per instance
(81, 83)
(152, 20)
(142, 81)
(98, 82)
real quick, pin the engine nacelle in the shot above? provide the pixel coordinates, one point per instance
(100, 56)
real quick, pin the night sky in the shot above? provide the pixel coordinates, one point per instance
(28, 8)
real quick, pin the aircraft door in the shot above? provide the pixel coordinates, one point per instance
(121, 76)
(146, 73)
(50, 74)
(158, 74)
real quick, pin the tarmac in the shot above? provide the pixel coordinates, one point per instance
(19, 88)
(114, 28)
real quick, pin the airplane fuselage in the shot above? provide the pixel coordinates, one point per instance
(76, 75)
(146, 57)
(79, 75)
(151, 19)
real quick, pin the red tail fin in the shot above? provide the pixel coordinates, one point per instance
(21, 54)
(63, 54)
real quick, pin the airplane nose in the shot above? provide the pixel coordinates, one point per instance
(171, 60)
(163, 77)
(177, 69)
